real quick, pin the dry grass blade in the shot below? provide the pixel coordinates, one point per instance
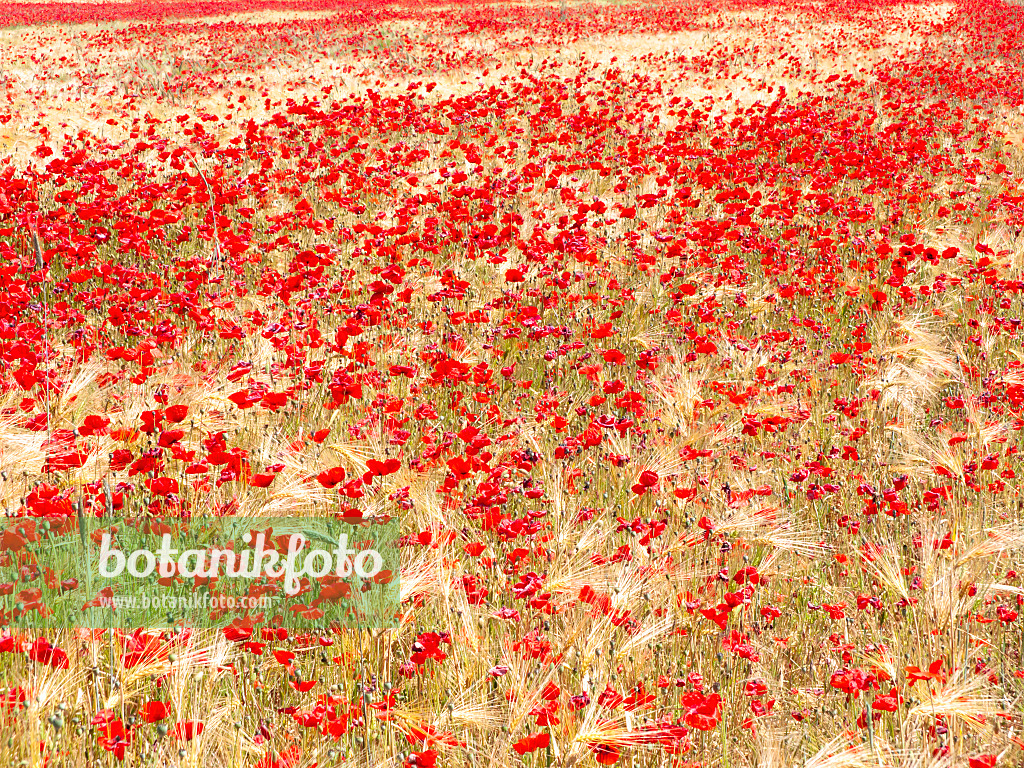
(840, 753)
(998, 541)
(965, 698)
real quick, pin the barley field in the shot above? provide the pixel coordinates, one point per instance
(682, 339)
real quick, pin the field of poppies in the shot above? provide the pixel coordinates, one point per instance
(684, 339)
